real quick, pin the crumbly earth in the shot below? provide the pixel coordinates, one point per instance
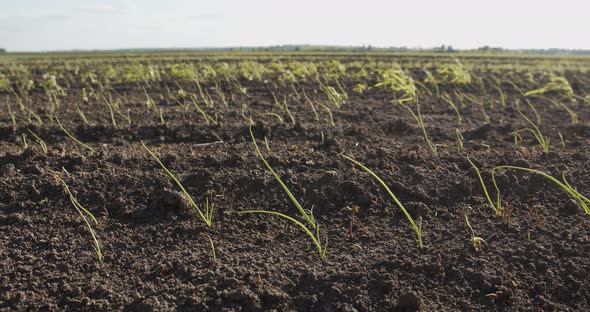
(157, 252)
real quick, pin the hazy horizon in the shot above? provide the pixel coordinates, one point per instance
(34, 25)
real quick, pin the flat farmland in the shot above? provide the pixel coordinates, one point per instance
(302, 181)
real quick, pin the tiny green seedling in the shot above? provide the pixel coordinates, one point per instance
(448, 100)
(460, 138)
(39, 140)
(71, 136)
(213, 254)
(495, 207)
(418, 117)
(311, 227)
(417, 228)
(84, 214)
(543, 140)
(572, 191)
(206, 214)
(475, 240)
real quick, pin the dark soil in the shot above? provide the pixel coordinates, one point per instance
(157, 254)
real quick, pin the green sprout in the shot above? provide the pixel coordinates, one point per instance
(495, 207)
(400, 82)
(71, 136)
(475, 240)
(417, 228)
(556, 84)
(447, 99)
(568, 188)
(213, 254)
(455, 74)
(206, 214)
(460, 138)
(311, 227)
(84, 214)
(418, 117)
(571, 113)
(541, 139)
(39, 140)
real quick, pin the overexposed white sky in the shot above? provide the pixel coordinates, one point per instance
(43, 25)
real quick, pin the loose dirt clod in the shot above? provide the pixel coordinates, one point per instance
(408, 302)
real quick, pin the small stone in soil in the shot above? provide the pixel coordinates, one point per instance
(7, 170)
(408, 302)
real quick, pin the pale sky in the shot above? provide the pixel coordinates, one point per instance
(44, 25)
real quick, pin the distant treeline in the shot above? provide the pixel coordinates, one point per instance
(327, 48)
(440, 49)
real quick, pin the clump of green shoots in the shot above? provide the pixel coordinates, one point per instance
(543, 140)
(455, 73)
(205, 214)
(84, 214)
(416, 227)
(335, 97)
(400, 82)
(309, 226)
(556, 84)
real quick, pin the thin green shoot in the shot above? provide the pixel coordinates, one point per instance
(561, 139)
(39, 140)
(481, 104)
(495, 207)
(291, 116)
(315, 238)
(110, 107)
(447, 99)
(573, 115)
(206, 214)
(502, 95)
(25, 109)
(460, 139)
(417, 228)
(572, 191)
(307, 216)
(213, 254)
(311, 227)
(84, 214)
(329, 111)
(82, 115)
(475, 240)
(266, 144)
(207, 117)
(86, 146)
(541, 139)
(24, 139)
(418, 117)
(315, 112)
(281, 120)
(12, 116)
(244, 114)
